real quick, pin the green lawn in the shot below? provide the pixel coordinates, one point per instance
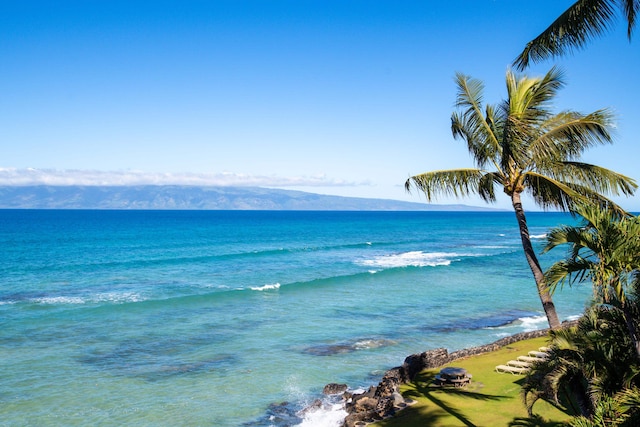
(491, 400)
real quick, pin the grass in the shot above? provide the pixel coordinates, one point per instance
(491, 399)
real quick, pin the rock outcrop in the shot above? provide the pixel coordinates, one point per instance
(384, 400)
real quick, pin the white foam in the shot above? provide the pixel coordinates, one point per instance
(113, 297)
(538, 236)
(59, 300)
(118, 298)
(410, 259)
(533, 323)
(328, 415)
(272, 287)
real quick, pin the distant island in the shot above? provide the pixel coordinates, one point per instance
(197, 198)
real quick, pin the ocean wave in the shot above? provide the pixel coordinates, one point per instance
(533, 323)
(328, 414)
(272, 287)
(524, 323)
(410, 259)
(109, 297)
(539, 236)
(490, 321)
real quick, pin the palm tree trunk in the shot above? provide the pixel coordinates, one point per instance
(538, 275)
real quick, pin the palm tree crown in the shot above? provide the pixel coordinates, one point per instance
(529, 150)
(581, 22)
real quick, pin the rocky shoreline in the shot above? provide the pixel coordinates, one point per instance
(384, 400)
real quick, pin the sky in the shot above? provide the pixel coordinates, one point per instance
(341, 97)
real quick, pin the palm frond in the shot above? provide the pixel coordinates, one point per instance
(567, 271)
(631, 10)
(548, 192)
(577, 238)
(487, 184)
(566, 135)
(455, 182)
(470, 123)
(581, 22)
(598, 179)
(530, 97)
(589, 197)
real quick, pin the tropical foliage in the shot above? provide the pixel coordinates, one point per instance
(604, 250)
(581, 22)
(521, 146)
(592, 368)
(595, 365)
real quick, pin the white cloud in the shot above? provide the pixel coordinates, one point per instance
(30, 176)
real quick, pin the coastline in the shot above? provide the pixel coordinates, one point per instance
(384, 400)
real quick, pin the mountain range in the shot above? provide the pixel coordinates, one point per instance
(196, 197)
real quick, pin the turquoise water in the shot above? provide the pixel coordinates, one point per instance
(193, 318)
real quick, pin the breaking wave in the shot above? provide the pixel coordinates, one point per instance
(410, 259)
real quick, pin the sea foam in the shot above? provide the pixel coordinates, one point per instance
(109, 297)
(410, 259)
(272, 287)
(328, 415)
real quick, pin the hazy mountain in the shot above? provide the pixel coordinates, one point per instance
(192, 197)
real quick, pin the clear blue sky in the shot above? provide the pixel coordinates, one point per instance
(337, 97)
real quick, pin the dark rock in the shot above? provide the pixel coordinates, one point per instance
(381, 401)
(334, 388)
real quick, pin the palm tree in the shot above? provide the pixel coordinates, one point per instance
(605, 249)
(588, 363)
(581, 22)
(532, 151)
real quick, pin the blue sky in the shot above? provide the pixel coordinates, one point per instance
(339, 97)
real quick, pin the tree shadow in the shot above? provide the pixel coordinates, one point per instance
(534, 421)
(424, 386)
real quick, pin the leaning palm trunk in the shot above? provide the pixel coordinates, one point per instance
(538, 275)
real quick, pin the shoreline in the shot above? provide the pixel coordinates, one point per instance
(384, 399)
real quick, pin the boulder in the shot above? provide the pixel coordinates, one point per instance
(334, 388)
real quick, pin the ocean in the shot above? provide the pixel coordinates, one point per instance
(239, 318)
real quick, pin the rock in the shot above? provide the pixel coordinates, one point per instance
(334, 388)
(365, 404)
(398, 400)
(381, 401)
(357, 419)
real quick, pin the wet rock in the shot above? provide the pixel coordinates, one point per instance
(334, 388)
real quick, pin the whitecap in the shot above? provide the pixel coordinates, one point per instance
(410, 259)
(110, 297)
(59, 300)
(274, 286)
(539, 236)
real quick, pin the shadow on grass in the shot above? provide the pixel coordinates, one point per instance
(534, 421)
(424, 388)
